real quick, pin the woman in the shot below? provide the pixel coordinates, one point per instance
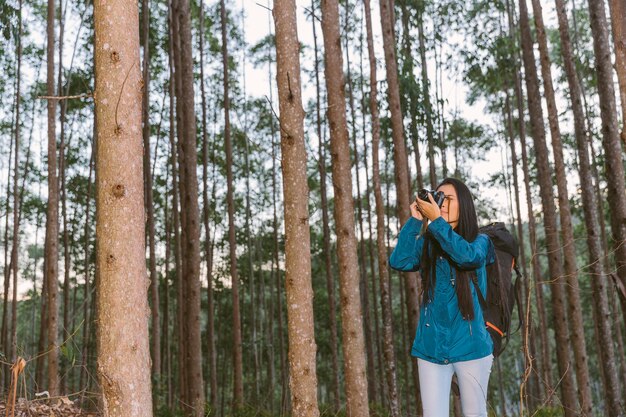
(451, 335)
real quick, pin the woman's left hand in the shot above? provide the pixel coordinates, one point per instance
(430, 210)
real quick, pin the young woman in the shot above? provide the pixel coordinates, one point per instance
(451, 335)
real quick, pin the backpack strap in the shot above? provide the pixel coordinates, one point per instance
(481, 298)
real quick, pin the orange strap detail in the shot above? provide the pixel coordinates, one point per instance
(500, 332)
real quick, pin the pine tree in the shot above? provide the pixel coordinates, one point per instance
(123, 342)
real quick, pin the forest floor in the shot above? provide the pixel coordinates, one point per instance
(37, 408)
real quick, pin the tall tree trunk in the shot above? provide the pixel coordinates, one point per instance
(52, 220)
(545, 362)
(575, 314)
(555, 262)
(86, 262)
(234, 274)
(330, 279)
(401, 167)
(590, 207)
(190, 217)
(383, 271)
(430, 133)
(155, 329)
(369, 346)
(123, 341)
(298, 285)
(618, 23)
(174, 61)
(16, 196)
(208, 247)
(351, 313)
(614, 168)
(529, 342)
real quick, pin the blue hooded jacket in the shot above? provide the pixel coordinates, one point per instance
(442, 335)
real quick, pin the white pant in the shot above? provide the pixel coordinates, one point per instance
(473, 377)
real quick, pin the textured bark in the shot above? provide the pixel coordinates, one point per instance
(155, 329)
(52, 220)
(545, 356)
(618, 23)
(430, 132)
(352, 326)
(190, 217)
(383, 271)
(367, 324)
(212, 357)
(16, 196)
(123, 342)
(298, 285)
(614, 168)
(401, 167)
(590, 206)
(87, 319)
(544, 175)
(232, 241)
(330, 279)
(575, 315)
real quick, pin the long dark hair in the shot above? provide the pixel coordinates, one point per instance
(467, 227)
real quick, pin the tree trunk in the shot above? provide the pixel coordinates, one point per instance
(234, 274)
(590, 206)
(383, 271)
(401, 167)
(544, 175)
(351, 313)
(16, 196)
(298, 285)
(575, 314)
(330, 279)
(52, 220)
(123, 341)
(545, 363)
(155, 329)
(614, 168)
(618, 23)
(430, 133)
(367, 325)
(190, 217)
(208, 248)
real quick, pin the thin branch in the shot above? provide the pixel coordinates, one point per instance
(85, 95)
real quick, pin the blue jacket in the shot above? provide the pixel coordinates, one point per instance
(442, 334)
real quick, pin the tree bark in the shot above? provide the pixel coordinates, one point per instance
(614, 168)
(401, 167)
(52, 220)
(330, 279)
(123, 341)
(208, 246)
(555, 262)
(383, 271)
(298, 285)
(155, 329)
(575, 314)
(351, 313)
(190, 217)
(367, 324)
(618, 23)
(234, 274)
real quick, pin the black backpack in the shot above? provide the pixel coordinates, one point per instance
(502, 292)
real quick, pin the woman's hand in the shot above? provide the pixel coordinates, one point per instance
(430, 210)
(415, 211)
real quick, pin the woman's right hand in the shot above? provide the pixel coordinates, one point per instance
(415, 211)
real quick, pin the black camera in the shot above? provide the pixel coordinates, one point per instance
(438, 196)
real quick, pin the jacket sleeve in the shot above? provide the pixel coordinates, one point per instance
(465, 254)
(408, 251)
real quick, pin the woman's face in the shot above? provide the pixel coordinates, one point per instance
(450, 206)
